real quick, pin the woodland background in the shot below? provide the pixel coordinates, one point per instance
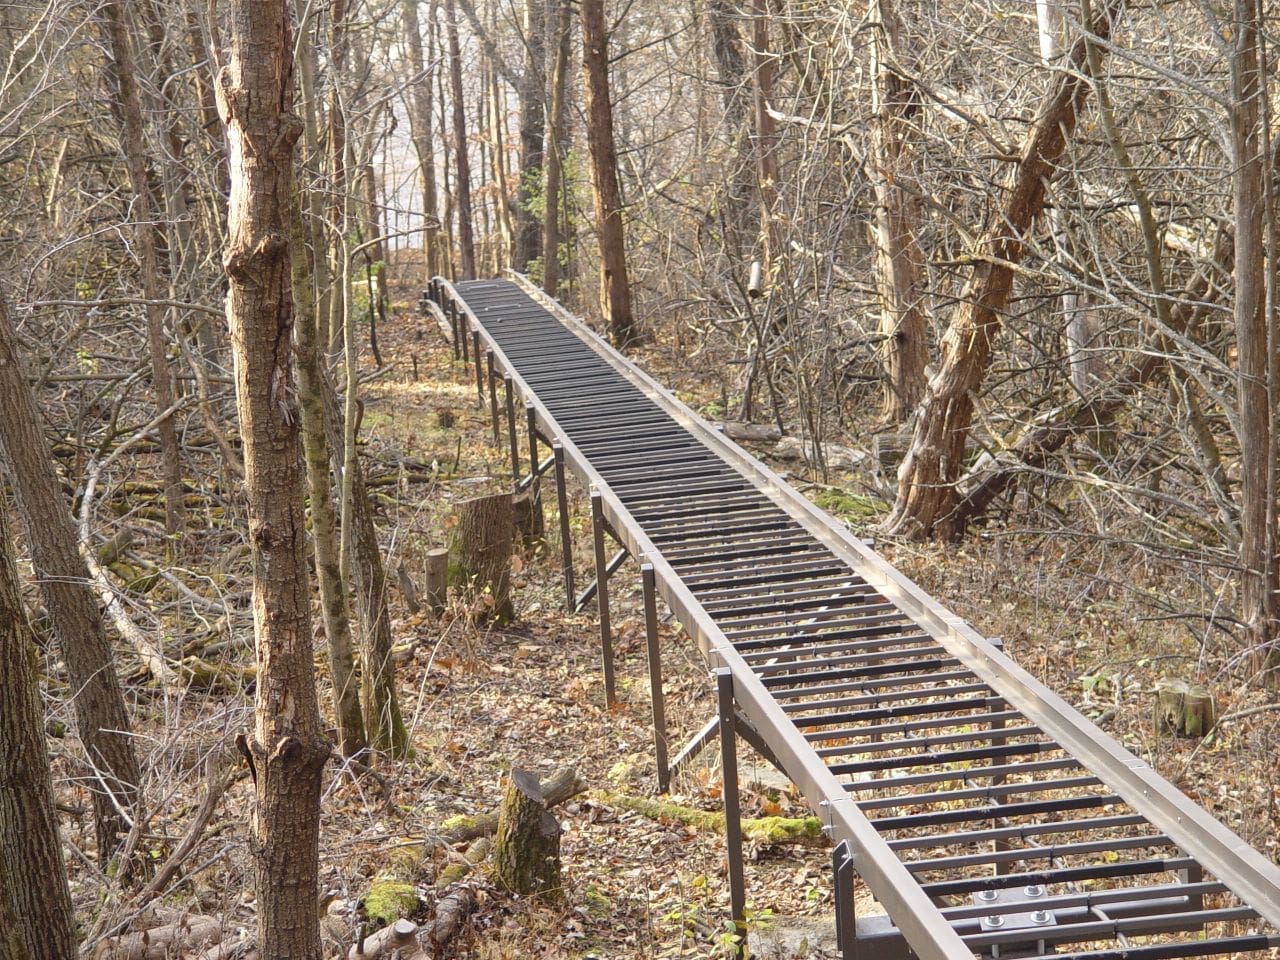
(1006, 272)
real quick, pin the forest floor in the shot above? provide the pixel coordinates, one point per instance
(479, 700)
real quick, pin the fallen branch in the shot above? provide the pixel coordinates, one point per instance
(394, 937)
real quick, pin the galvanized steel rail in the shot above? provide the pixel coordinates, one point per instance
(984, 812)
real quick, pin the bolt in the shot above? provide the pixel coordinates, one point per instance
(1033, 891)
(988, 896)
(995, 921)
(1041, 916)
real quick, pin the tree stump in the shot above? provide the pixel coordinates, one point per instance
(1184, 709)
(437, 585)
(481, 551)
(530, 523)
(526, 850)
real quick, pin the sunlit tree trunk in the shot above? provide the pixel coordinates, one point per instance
(34, 899)
(420, 127)
(899, 261)
(615, 291)
(927, 494)
(462, 164)
(766, 142)
(559, 34)
(287, 750)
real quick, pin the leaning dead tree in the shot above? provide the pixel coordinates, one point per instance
(927, 492)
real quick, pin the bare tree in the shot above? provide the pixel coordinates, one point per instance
(287, 750)
(34, 899)
(615, 289)
(113, 776)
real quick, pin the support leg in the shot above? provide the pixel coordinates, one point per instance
(493, 397)
(655, 676)
(602, 597)
(452, 310)
(842, 891)
(535, 484)
(512, 437)
(566, 544)
(477, 353)
(732, 806)
(463, 338)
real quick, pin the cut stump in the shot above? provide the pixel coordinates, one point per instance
(526, 850)
(437, 585)
(1184, 709)
(482, 545)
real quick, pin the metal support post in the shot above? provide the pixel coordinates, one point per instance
(477, 354)
(531, 422)
(566, 545)
(510, 388)
(462, 336)
(493, 397)
(655, 675)
(732, 806)
(452, 310)
(602, 596)
(842, 892)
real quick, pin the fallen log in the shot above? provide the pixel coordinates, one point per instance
(396, 936)
(452, 913)
(159, 943)
(562, 785)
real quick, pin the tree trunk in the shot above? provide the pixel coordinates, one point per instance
(147, 234)
(1257, 441)
(526, 848)
(559, 33)
(339, 199)
(766, 144)
(926, 481)
(33, 878)
(462, 164)
(531, 93)
(481, 549)
(615, 291)
(420, 130)
(287, 751)
(334, 608)
(899, 261)
(101, 719)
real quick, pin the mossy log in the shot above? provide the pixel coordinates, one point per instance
(526, 849)
(395, 936)
(806, 831)
(481, 551)
(1184, 709)
(388, 901)
(562, 785)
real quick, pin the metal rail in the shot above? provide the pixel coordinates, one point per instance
(984, 812)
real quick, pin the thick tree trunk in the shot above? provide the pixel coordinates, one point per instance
(926, 481)
(526, 847)
(33, 878)
(420, 129)
(481, 550)
(615, 290)
(147, 234)
(101, 719)
(1253, 340)
(559, 33)
(462, 164)
(287, 750)
(899, 260)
